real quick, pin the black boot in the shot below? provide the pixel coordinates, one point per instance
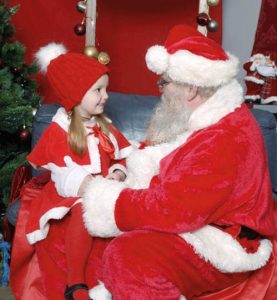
(68, 294)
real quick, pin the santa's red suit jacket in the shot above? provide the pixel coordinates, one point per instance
(212, 177)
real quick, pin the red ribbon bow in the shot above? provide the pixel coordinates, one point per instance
(104, 140)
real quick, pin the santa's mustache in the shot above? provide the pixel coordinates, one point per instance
(168, 121)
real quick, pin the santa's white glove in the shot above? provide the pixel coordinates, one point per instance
(67, 179)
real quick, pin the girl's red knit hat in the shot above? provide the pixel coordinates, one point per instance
(70, 74)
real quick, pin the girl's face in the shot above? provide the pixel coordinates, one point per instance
(95, 98)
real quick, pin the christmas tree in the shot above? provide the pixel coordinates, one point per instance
(18, 101)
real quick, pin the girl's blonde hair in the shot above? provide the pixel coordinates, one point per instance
(76, 136)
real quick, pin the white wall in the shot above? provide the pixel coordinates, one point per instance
(239, 22)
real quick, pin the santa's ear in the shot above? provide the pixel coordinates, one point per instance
(192, 92)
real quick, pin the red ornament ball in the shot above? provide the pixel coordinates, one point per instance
(24, 135)
(80, 29)
(16, 70)
(203, 19)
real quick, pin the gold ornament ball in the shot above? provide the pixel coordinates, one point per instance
(91, 51)
(212, 2)
(104, 58)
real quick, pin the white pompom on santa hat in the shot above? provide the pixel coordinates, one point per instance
(48, 53)
(190, 57)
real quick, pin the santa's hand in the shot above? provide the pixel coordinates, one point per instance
(68, 179)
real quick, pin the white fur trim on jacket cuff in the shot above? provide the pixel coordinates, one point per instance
(100, 292)
(117, 167)
(99, 205)
(254, 79)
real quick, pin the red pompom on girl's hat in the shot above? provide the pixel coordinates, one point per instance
(70, 74)
(190, 57)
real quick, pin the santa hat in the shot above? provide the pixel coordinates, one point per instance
(190, 57)
(70, 74)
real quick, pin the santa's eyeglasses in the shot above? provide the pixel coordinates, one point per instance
(162, 82)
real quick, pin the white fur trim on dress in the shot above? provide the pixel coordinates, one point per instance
(55, 213)
(47, 53)
(99, 205)
(186, 67)
(120, 153)
(100, 292)
(62, 119)
(224, 252)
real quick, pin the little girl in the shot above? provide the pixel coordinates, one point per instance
(78, 130)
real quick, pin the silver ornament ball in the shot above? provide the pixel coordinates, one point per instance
(212, 26)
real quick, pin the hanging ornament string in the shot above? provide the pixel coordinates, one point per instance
(88, 27)
(203, 9)
(80, 29)
(205, 23)
(91, 22)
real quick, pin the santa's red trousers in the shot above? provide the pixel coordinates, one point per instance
(146, 265)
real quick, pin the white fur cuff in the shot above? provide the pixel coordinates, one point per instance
(99, 205)
(100, 292)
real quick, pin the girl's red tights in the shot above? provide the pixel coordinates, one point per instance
(78, 245)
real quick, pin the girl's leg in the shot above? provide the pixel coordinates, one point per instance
(78, 245)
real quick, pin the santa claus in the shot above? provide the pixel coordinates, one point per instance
(260, 79)
(194, 215)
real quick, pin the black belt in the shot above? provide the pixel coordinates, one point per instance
(248, 233)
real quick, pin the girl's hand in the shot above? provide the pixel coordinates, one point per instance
(117, 175)
(68, 179)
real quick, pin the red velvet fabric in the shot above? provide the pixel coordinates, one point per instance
(125, 29)
(21, 175)
(26, 278)
(266, 34)
(166, 268)
(180, 199)
(39, 272)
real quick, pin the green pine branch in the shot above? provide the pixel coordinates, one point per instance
(18, 100)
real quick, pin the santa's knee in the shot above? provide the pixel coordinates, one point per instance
(122, 250)
(134, 270)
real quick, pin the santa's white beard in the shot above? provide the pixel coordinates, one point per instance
(169, 120)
